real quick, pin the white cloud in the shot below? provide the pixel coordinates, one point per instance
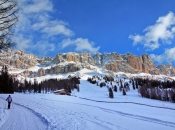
(56, 28)
(39, 6)
(80, 45)
(21, 42)
(37, 28)
(173, 29)
(167, 57)
(44, 47)
(35, 21)
(52, 27)
(136, 39)
(163, 30)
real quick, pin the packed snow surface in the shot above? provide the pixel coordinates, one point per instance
(89, 109)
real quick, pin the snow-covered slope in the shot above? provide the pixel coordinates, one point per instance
(89, 109)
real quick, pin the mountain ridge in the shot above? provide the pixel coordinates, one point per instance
(72, 61)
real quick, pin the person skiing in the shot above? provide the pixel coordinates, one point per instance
(9, 100)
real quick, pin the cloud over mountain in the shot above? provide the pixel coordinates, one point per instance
(167, 57)
(80, 44)
(162, 32)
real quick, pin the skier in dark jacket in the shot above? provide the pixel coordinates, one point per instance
(9, 100)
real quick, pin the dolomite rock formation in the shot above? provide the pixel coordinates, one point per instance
(71, 62)
(74, 57)
(64, 68)
(41, 72)
(166, 69)
(17, 59)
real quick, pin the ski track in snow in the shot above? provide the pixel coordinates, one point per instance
(22, 118)
(105, 124)
(171, 124)
(39, 113)
(157, 121)
(86, 111)
(128, 102)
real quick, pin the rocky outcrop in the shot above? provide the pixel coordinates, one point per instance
(125, 63)
(130, 63)
(74, 57)
(64, 68)
(147, 65)
(134, 61)
(17, 59)
(46, 60)
(120, 66)
(41, 72)
(166, 69)
(102, 59)
(141, 64)
(71, 62)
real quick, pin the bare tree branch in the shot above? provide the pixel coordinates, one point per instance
(8, 18)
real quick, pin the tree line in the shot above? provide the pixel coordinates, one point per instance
(9, 84)
(123, 86)
(6, 81)
(153, 89)
(49, 85)
(148, 88)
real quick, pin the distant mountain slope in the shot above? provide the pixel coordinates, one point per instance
(72, 61)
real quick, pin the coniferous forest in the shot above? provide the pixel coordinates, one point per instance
(147, 88)
(158, 90)
(9, 84)
(6, 81)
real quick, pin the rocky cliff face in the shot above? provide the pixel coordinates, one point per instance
(70, 62)
(130, 63)
(166, 69)
(17, 59)
(114, 62)
(84, 58)
(141, 64)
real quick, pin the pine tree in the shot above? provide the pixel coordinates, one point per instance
(35, 86)
(39, 88)
(121, 85)
(115, 88)
(124, 92)
(101, 85)
(6, 81)
(111, 93)
(133, 85)
(136, 84)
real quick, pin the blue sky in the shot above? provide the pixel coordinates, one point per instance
(48, 27)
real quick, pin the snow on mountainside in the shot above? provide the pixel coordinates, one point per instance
(89, 109)
(33, 66)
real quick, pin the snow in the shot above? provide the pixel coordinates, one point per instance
(89, 109)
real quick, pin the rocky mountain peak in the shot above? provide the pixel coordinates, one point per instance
(17, 59)
(72, 61)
